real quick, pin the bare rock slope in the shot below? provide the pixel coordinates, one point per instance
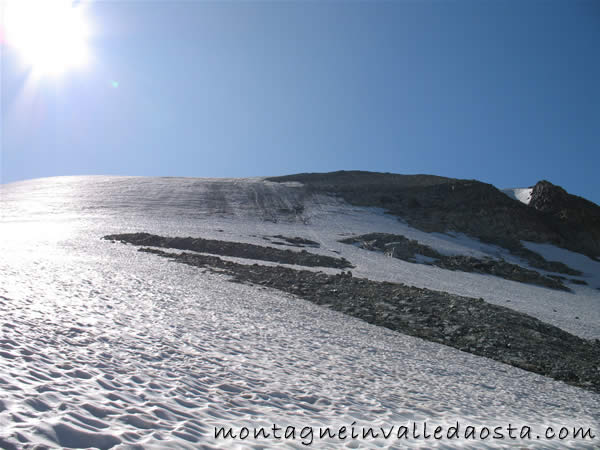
(433, 203)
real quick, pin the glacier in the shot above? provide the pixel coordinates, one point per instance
(104, 346)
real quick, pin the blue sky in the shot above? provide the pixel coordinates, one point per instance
(506, 92)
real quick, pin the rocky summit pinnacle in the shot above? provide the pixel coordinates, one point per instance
(573, 216)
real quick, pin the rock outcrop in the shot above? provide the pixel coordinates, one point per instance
(398, 246)
(291, 241)
(480, 210)
(235, 249)
(576, 219)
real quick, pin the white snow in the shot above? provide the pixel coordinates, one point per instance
(521, 194)
(589, 268)
(424, 259)
(102, 345)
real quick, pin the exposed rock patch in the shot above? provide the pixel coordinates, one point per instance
(533, 259)
(468, 324)
(292, 241)
(398, 246)
(236, 249)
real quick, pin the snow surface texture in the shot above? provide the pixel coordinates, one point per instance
(102, 345)
(521, 194)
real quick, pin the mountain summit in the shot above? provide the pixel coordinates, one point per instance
(478, 209)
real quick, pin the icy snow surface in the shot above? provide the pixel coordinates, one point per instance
(102, 345)
(521, 194)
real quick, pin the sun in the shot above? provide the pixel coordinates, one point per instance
(50, 36)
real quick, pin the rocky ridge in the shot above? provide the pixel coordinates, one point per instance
(398, 246)
(439, 204)
(236, 249)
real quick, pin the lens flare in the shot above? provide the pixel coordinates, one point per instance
(49, 35)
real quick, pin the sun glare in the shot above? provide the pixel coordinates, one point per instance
(49, 35)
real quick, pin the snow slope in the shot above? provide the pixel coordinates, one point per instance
(102, 345)
(521, 194)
